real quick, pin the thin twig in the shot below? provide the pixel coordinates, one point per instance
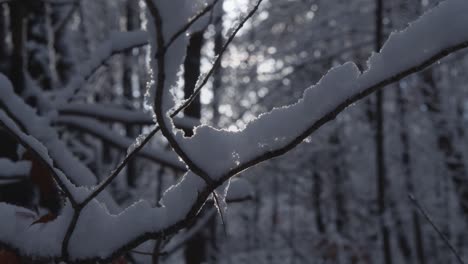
(36, 154)
(220, 211)
(160, 58)
(61, 24)
(147, 253)
(190, 23)
(121, 166)
(217, 61)
(294, 142)
(156, 129)
(428, 218)
(160, 86)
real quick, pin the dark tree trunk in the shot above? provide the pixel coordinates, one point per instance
(339, 178)
(40, 63)
(452, 155)
(18, 23)
(218, 73)
(61, 16)
(380, 146)
(198, 247)
(191, 73)
(4, 32)
(406, 162)
(19, 193)
(129, 62)
(317, 201)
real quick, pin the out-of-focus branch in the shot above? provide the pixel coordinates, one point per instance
(191, 22)
(112, 113)
(118, 42)
(204, 79)
(96, 129)
(442, 236)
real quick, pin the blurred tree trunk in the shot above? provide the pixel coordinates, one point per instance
(292, 217)
(40, 53)
(198, 247)
(380, 146)
(18, 23)
(445, 136)
(61, 15)
(406, 162)
(192, 65)
(339, 179)
(4, 32)
(317, 187)
(19, 193)
(130, 60)
(218, 73)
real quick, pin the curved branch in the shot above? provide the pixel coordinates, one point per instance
(338, 89)
(37, 149)
(162, 94)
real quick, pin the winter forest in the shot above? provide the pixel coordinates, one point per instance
(234, 131)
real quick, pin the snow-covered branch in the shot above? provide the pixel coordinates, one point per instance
(111, 113)
(90, 231)
(14, 170)
(118, 42)
(99, 130)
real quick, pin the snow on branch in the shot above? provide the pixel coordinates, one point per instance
(117, 42)
(272, 134)
(36, 134)
(101, 131)
(11, 170)
(113, 113)
(92, 233)
(163, 100)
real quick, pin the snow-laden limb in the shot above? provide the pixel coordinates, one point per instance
(72, 192)
(116, 43)
(239, 190)
(163, 100)
(113, 113)
(174, 14)
(43, 139)
(274, 133)
(99, 130)
(14, 169)
(100, 235)
(37, 240)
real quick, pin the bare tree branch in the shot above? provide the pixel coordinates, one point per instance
(442, 236)
(190, 23)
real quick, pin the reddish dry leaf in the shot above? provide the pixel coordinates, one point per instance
(41, 177)
(44, 219)
(25, 215)
(9, 257)
(120, 260)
